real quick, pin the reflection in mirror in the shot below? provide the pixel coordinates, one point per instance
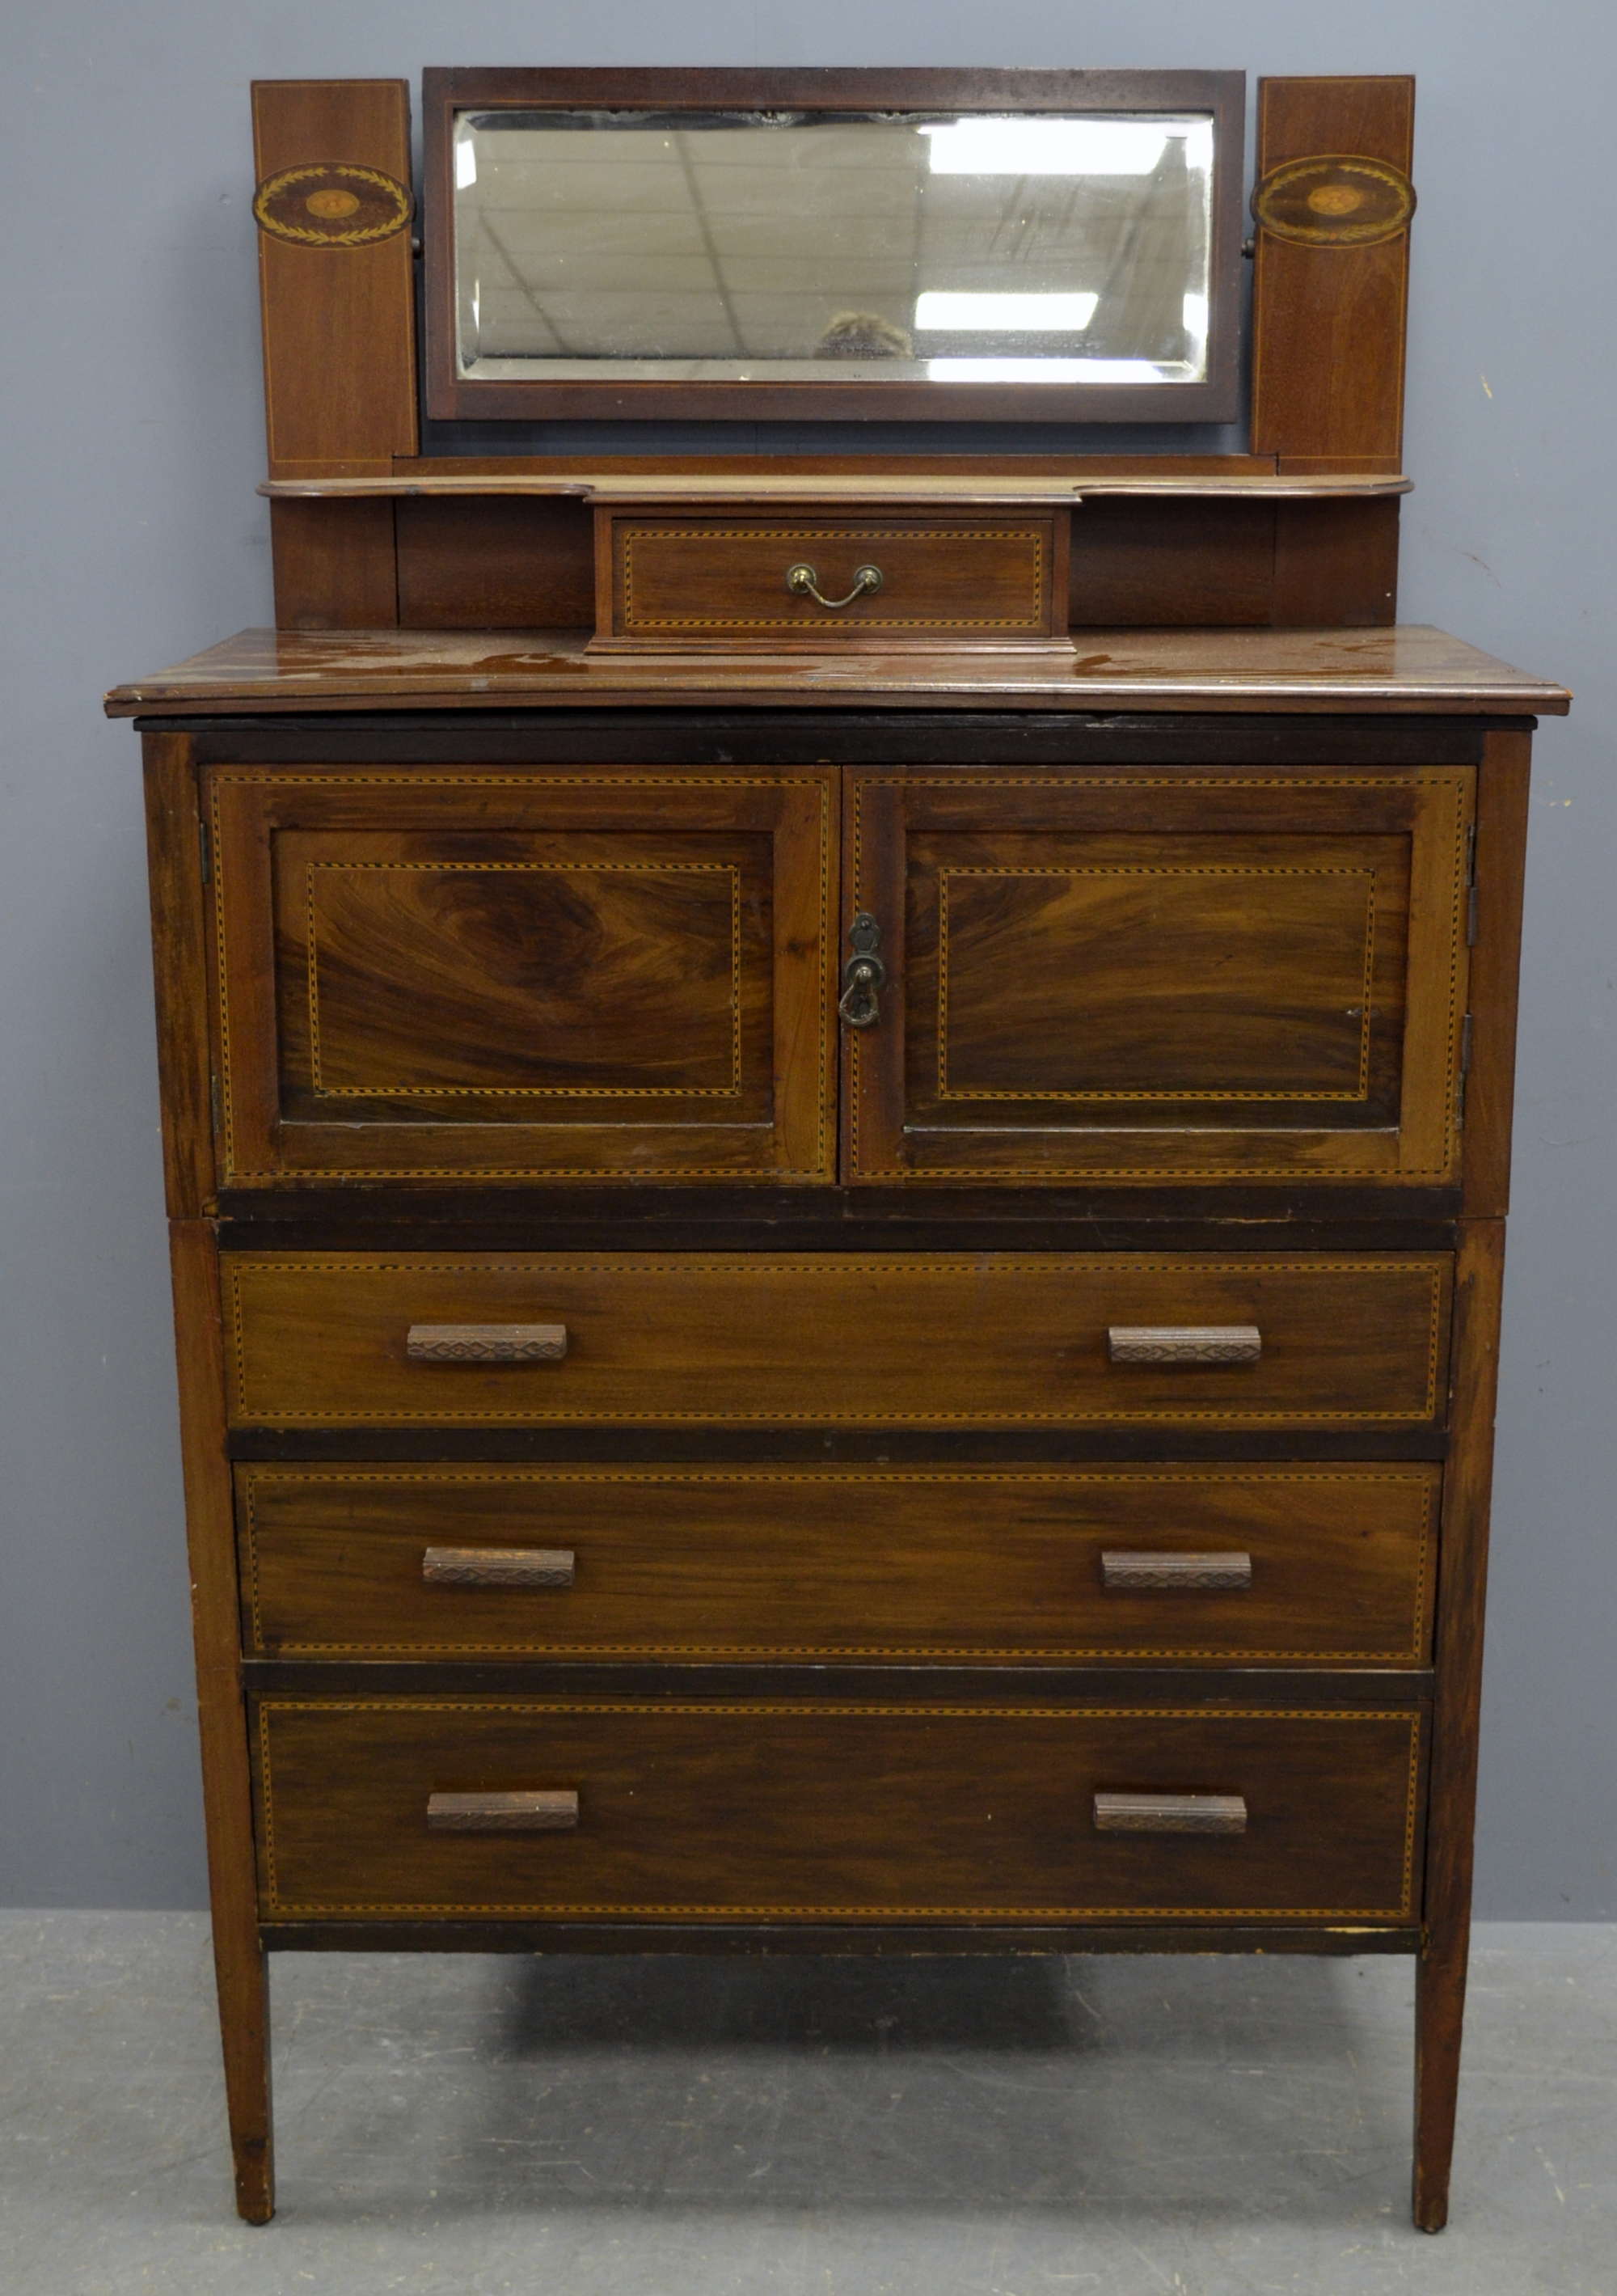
(863, 247)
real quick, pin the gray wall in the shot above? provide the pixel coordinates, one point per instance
(132, 443)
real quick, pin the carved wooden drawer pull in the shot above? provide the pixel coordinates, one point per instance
(1168, 1813)
(549, 1811)
(497, 1566)
(487, 1343)
(1127, 1570)
(1184, 1343)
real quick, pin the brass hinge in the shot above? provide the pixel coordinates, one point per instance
(1470, 886)
(1459, 1095)
(205, 845)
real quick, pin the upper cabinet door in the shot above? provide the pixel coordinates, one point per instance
(546, 974)
(1144, 976)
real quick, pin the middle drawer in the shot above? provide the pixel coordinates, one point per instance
(991, 1341)
(1226, 1564)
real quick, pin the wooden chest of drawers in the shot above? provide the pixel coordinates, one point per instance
(839, 1329)
(837, 1127)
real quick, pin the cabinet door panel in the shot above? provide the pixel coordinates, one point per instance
(1194, 976)
(593, 974)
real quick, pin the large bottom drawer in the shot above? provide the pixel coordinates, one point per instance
(709, 1810)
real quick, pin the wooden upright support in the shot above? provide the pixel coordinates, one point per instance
(1333, 205)
(336, 281)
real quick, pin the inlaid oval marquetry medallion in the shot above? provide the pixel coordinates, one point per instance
(1334, 201)
(331, 204)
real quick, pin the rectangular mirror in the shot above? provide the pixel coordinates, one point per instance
(1043, 259)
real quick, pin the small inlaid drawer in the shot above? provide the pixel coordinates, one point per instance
(1318, 1565)
(731, 581)
(506, 1808)
(996, 1339)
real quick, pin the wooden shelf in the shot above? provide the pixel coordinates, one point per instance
(857, 488)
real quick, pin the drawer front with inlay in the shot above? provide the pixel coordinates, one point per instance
(826, 581)
(702, 1809)
(1315, 1564)
(996, 1339)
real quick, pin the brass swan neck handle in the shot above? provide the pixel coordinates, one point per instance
(803, 581)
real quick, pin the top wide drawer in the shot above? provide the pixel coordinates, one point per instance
(996, 1339)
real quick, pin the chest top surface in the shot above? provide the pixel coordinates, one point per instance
(1407, 667)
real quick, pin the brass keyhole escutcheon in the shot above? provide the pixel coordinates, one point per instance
(863, 974)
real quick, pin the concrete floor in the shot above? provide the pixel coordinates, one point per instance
(691, 2128)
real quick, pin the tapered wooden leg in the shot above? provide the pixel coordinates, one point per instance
(1440, 1989)
(244, 1978)
(1439, 2005)
(239, 1959)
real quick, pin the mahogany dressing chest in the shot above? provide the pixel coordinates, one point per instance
(836, 1121)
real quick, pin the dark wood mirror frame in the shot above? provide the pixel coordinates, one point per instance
(450, 395)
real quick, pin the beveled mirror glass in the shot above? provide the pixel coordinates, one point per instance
(803, 244)
(877, 248)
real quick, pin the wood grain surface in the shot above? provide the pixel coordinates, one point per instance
(848, 480)
(319, 1337)
(175, 874)
(505, 562)
(1408, 668)
(240, 1969)
(1329, 321)
(1439, 2001)
(1121, 976)
(1500, 863)
(620, 972)
(339, 322)
(779, 1562)
(810, 1811)
(334, 564)
(671, 582)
